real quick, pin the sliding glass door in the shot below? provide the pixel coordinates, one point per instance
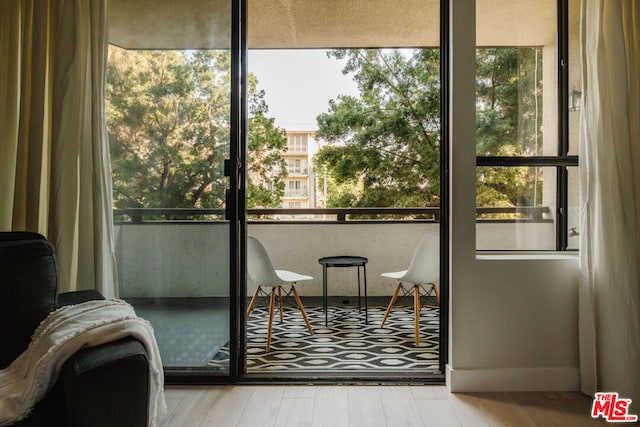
(353, 167)
(173, 112)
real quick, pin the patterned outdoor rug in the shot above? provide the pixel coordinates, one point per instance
(346, 344)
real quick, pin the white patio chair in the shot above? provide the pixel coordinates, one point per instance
(260, 271)
(423, 273)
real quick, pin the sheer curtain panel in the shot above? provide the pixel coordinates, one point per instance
(610, 199)
(54, 157)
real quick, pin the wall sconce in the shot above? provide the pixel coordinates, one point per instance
(575, 100)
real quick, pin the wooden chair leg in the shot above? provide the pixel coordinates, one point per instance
(280, 302)
(271, 305)
(253, 301)
(435, 289)
(393, 301)
(416, 311)
(301, 307)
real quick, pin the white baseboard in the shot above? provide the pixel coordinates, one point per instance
(513, 379)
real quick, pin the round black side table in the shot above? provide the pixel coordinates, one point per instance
(344, 261)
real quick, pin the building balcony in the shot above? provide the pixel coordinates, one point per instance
(296, 193)
(298, 151)
(173, 266)
(302, 171)
(160, 254)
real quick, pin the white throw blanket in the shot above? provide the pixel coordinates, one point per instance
(28, 379)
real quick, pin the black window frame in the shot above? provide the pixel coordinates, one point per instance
(563, 160)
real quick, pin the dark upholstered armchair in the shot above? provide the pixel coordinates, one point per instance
(106, 385)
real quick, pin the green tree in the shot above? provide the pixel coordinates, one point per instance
(168, 122)
(386, 142)
(509, 101)
(384, 145)
(508, 112)
(266, 167)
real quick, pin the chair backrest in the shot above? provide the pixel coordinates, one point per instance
(425, 262)
(259, 266)
(28, 288)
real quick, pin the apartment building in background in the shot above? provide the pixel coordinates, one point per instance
(300, 183)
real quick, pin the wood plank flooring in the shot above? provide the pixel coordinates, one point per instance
(370, 406)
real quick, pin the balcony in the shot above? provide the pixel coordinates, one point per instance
(297, 171)
(173, 266)
(296, 149)
(161, 255)
(296, 193)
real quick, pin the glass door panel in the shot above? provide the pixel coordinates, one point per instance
(168, 109)
(355, 89)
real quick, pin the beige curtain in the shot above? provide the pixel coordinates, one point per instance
(54, 158)
(610, 198)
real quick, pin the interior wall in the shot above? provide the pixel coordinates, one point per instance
(513, 318)
(516, 325)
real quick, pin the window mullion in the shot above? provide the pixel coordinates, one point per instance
(562, 186)
(527, 161)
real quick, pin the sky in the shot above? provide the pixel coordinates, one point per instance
(298, 84)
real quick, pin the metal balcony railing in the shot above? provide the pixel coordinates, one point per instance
(297, 171)
(294, 149)
(296, 193)
(339, 215)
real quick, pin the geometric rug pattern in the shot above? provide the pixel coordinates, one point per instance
(346, 344)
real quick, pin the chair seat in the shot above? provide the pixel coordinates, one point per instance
(291, 277)
(395, 274)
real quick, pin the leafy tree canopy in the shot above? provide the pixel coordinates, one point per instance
(384, 145)
(388, 139)
(168, 123)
